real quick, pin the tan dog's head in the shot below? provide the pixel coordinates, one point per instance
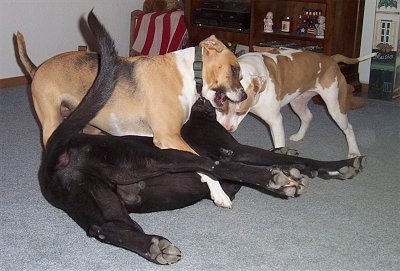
(231, 114)
(221, 74)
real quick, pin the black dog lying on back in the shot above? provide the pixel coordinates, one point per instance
(98, 180)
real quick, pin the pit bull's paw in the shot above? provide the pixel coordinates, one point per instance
(289, 183)
(217, 194)
(286, 151)
(221, 200)
(296, 137)
(351, 170)
(163, 251)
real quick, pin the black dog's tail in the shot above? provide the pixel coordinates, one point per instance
(97, 95)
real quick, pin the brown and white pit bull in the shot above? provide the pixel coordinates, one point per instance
(153, 95)
(274, 78)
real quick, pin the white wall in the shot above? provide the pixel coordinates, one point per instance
(52, 26)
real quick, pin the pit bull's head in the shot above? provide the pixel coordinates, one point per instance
(231, 114)
(221, 74)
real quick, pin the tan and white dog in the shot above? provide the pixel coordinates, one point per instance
(274, 78)
(153, 95)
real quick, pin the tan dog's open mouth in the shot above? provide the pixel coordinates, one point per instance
(220, 97)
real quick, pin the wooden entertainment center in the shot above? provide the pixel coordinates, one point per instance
(343, 28)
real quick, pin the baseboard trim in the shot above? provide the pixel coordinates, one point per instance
(14, 81)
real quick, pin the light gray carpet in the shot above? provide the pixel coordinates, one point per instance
(336, 225)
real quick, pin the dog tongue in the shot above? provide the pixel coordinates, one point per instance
(221, 98)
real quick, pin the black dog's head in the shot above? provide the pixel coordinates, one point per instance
(203, 109)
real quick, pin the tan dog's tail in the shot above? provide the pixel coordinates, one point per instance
(352, 102)
(347, 60)
(23, 55)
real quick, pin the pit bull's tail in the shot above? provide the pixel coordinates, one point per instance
(23, 55)
(96, 97)
(352, 102)
(347, 60)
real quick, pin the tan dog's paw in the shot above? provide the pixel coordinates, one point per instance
(217, 194)
(221, 200)
(296, 137)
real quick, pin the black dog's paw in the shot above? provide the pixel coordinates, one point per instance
(354, 167)
(286, 151)
(348, 172)
(289, 183)
(163, 251)
(154, 248)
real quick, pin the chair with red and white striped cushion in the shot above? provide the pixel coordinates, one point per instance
(157, 33)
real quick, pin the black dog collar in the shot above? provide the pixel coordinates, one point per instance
(198, 66)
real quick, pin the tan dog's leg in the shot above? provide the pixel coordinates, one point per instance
(175, 141)
(299, 106)
(275, 123)
(338, 113)
(48, 113)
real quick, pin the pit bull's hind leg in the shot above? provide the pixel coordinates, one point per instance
(339, 115)
(175, 141)
(48, 113)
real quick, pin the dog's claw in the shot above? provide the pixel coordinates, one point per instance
(289, 183)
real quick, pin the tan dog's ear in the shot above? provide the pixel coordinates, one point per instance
(270, 50)
(212, 43)
(258, 83)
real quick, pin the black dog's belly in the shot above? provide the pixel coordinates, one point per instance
(166, 192)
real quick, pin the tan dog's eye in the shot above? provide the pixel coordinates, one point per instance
(235, 71)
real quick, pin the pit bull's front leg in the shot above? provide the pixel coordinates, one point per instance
(218, 195)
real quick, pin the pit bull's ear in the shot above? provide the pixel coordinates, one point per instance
(266, 49)
(259, 83)
(212, 43)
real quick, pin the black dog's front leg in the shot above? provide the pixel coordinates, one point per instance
(284, 181)
(341, 169)
(207, 137)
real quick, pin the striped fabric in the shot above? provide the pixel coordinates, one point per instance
(159, 33)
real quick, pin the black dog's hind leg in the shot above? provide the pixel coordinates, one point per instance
(105, 217)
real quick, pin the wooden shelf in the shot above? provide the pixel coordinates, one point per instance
(228, 29)
(342, 33)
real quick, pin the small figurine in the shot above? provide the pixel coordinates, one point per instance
(268, 23)
(321, 27)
